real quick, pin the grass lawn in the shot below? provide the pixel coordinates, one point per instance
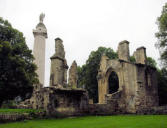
(122, 121)
(20, 111)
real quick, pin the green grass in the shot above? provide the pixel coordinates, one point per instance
(123, 121)
(20, 111)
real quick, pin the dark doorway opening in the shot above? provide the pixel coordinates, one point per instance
(113, 82)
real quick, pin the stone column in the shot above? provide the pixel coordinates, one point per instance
(58, 76)
(123, 50)
(140, 55)
(40, 34)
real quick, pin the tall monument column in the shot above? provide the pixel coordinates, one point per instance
(40, 34)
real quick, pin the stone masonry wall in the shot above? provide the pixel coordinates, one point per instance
(123, 50)
(61, 101)
(73, 76)
(58, 75)
(137, 81)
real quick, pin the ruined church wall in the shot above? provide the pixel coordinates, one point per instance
(129, 82)
(127, 75)
(140, 95)
(152, 88)
(146, 93)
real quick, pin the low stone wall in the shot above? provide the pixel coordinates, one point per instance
(102, 109)
(93, 109)
(61, 101)
(159, 110)
(13, 117)
(111, 109)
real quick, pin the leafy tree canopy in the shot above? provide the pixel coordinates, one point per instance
(151, 62)
(162, 86)
(162, 35)
(87, 73)
(17, 70)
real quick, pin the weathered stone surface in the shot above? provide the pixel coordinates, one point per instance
(123, 50)
(137, 82)
(58, 73)
(137, 91)
(140, 55)
(13, 117)
(73, 75)
(40, 34)
(61, 101)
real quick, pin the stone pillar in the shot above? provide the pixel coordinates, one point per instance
(40, 34)
(58, 72)
(73, 75)
(102, 84)
(140, 55)
(123, 50)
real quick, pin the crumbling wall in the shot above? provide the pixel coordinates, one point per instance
(73, 75)
(58, 72)
(123, 50)
(61, 101)
(137, 81)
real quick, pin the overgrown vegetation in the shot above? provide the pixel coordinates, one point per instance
(19, 111)
(131, 121)
(17, 70)
(162, 35)
(162, 46)
(162, 86)
(87, 73)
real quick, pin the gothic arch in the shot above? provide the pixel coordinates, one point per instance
(112, 81)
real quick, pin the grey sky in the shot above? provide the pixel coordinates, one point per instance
(84, 25)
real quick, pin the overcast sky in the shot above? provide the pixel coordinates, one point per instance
(84, 25)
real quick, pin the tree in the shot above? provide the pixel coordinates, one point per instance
(17, 70)
(87, 73)
(162, 35)
(162, 86)
(162, 80)
(151, 62)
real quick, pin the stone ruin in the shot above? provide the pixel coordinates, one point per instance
(73, 76)
(60, 98)
(136, 89)
(59, 67)
(137, 82)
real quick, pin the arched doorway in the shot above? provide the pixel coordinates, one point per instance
(113, 82)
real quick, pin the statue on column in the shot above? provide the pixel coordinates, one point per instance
(41, 17)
